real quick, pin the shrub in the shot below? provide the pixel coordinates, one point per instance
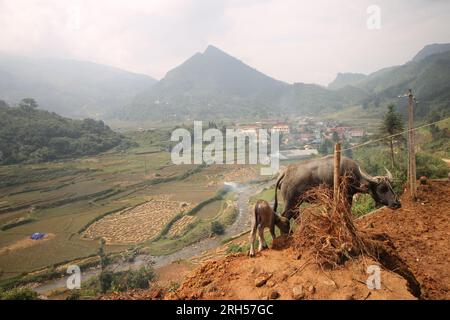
(430, 166)
(105, 280)
(133, 279)
(235, 248)
(19, 294)
(217, 228)
(363, 204)
(74, 295)
(173, 286)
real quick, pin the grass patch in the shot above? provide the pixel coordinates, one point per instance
(17, 222)
(363, 204)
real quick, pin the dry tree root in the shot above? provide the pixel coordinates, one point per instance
(326, 228)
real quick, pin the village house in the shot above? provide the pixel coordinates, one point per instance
(356, 133)
(307, 137)
(281, 127)
(340, 131)
(249, 129)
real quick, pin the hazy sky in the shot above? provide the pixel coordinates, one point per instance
(291, 40)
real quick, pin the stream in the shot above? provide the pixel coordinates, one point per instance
(241, 223)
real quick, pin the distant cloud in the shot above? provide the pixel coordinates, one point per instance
(307, 41)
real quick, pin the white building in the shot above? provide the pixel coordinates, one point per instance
(283, 128)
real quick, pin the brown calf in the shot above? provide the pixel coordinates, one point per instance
(265, 217)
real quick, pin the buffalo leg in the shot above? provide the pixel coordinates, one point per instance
(272, 230)
(289, 213)
(252, 241)
(262, 241)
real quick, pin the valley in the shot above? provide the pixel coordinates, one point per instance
(105, 195)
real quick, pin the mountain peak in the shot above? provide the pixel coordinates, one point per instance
(211, 49)
(345, 79)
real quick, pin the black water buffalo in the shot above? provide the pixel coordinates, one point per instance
(300, 177)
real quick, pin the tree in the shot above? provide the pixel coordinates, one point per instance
(391, 125)
(326, 147)
(434, 116)
(104, 260)
(3, 104)
(105, 280)
(28, 104)
(335, 137)
(217, 227)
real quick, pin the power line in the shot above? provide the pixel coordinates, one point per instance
(394, 135)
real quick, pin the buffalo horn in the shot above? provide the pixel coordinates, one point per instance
(367, 176)
(389, 174)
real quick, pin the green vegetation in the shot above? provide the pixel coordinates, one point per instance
(217, 228)
(363, 205)
(19, 294)
(46, 274)
(430, 166)
(392, 124)
(375, 158)
(17, 222)
(63, 197)
(121, 281)
(173, 286)
(236, 248)
(438, 142)
(30, 135)
(267, 194)
(220, 195)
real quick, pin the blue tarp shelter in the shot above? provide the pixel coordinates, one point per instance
(37, 236)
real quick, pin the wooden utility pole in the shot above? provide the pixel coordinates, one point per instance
(145, 165)
(411, 147)
(336, 172)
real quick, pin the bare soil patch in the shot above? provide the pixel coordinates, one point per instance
(239, 277)
(420, 232)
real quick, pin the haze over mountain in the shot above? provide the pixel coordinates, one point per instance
(209, 83)
(431, 49)
(68, 87)
(428, 74)
(344, 79)
(214, 84)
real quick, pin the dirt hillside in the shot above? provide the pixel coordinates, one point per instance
(420, 232)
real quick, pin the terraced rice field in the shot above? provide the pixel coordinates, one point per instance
(180, 225)
(139, 224)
